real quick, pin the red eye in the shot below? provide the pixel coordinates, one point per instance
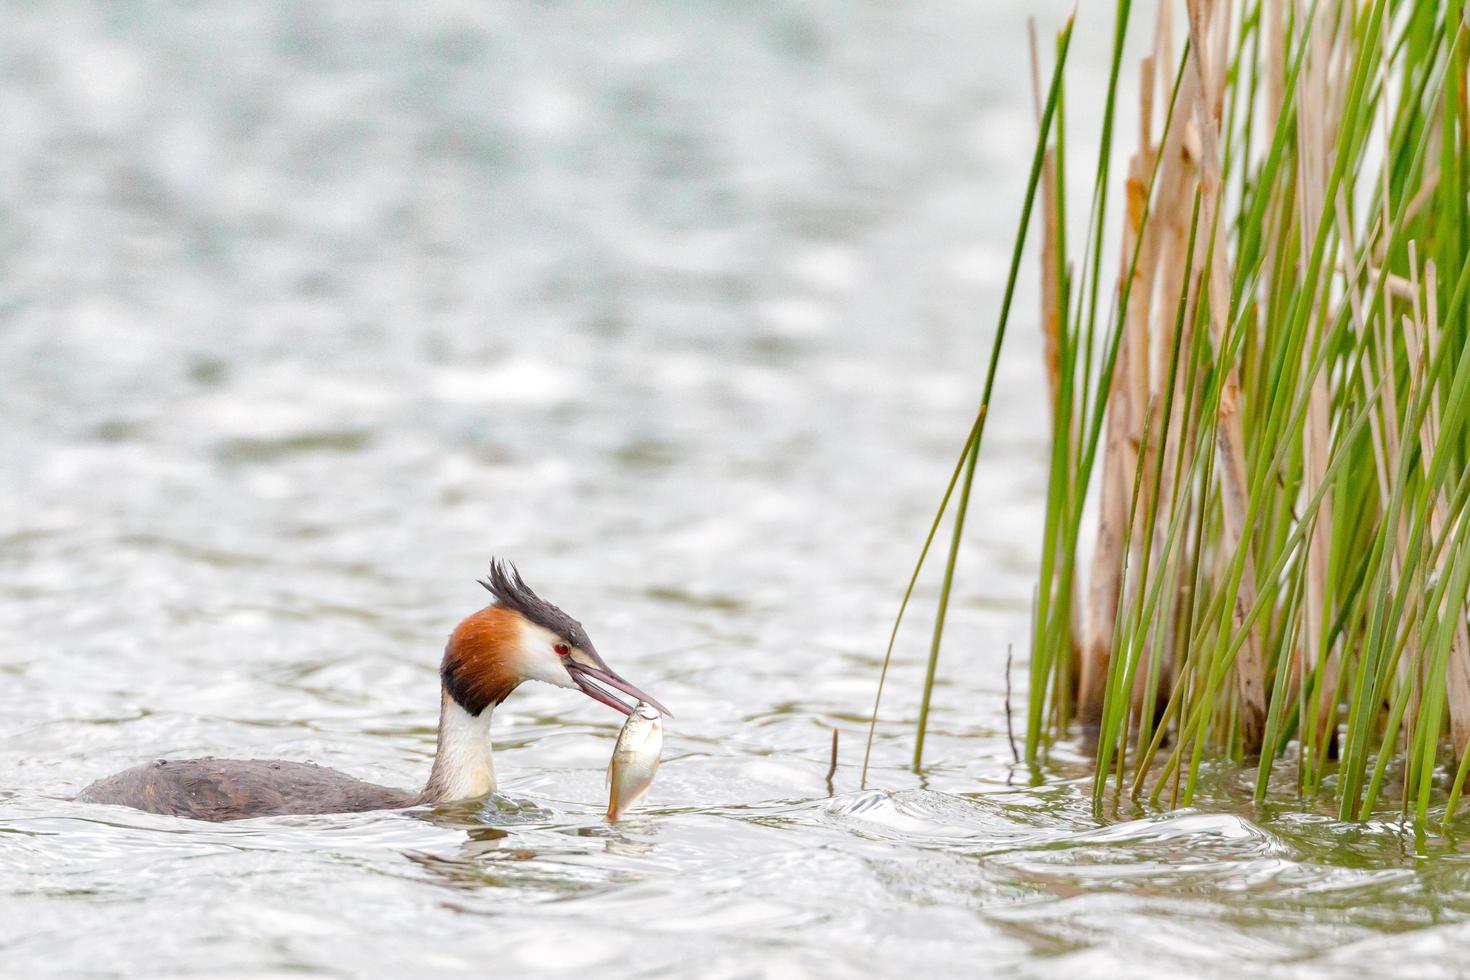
(562, 649)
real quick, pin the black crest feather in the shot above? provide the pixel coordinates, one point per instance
(511, 592)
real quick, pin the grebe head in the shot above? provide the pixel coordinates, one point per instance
(522, 637)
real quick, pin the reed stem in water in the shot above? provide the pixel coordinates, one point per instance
(1256, 545)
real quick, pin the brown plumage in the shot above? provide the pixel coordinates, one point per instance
(476, 670)
(520, 637)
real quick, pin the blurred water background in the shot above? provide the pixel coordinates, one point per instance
(306, 310)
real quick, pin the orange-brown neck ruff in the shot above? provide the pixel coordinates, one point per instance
(479, 669)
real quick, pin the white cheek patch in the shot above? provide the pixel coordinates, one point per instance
(537, 659)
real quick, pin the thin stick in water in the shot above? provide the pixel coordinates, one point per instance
(832, 769)
(1010, 729)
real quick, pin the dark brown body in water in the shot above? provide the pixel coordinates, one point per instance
(234, 789)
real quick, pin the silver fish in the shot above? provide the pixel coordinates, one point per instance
(634, 759)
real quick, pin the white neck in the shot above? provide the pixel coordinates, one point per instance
(463, 767)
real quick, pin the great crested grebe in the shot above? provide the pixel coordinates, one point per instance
(518, 637)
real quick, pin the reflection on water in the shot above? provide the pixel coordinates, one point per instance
(308, 310)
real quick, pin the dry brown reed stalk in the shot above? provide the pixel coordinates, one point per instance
(1421, 328)
(1051, 315)
(1208, 33)
(1317, 116)
(1053, 278)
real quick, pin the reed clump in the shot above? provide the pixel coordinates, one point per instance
(1257, 535)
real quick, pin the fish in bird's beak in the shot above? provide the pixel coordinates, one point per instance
(634, 760)
(593, 677)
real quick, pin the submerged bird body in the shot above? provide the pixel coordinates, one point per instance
(232, 789)
(635, 759)
(519, 637)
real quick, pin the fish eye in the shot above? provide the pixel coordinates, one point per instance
(562, 649)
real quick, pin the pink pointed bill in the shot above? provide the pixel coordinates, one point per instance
(585, 676)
